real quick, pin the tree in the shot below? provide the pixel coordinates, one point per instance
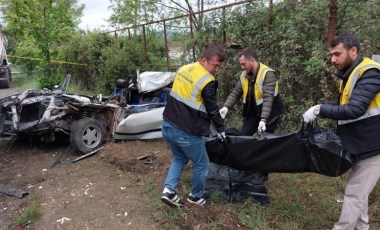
(130, 13)
(47, 22)
(332, 19)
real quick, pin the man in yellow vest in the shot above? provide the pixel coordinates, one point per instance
(191, 107)
(357, 112)
(262, 105)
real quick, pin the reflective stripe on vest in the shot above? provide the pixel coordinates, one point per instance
(374, 106)
(188, 91)
(263, 69)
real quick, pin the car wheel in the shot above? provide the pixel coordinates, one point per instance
(6, 83)
(87, 135)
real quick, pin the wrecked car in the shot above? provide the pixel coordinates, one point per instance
(146, 96)
(43, 113)
(133, 111)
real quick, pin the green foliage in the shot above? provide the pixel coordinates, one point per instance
(131, 13)
(30, 214)
(46, 22)
(49, 82)
(294, 45)
(108, 58)
(85, 50)
(25, 81)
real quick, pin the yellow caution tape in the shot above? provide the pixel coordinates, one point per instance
(55, 61)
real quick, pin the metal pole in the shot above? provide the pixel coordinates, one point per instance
(145, 48)
(192, 35)
(166, 48)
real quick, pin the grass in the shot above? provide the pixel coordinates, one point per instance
(298, 201)
(24, 81)
(252, 216)
(30, 214)
(30, 81)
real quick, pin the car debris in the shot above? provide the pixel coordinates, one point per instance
(12, 191)
(135, 112)
(61, 221)
(44, 113)
(146, 159)
(146, 97)
(71, 161)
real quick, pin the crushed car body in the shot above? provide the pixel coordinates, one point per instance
(88, 121)
(43, 113)
(146, 97)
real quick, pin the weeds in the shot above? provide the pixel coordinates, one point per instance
(30, 214)
(298, 201)
(252, 216)
(119, 172)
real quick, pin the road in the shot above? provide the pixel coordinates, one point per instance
(7, 92)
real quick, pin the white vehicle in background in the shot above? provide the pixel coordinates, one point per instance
(5, 69)
(146, 96)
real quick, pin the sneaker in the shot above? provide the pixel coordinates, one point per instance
(198, 200)
(171, 199)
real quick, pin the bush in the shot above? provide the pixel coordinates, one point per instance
(49, 82)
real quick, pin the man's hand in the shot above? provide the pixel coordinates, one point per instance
(261, 127)
(311, 114)
(223, 112)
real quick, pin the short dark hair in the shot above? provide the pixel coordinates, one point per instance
(249, 53)
(347, 39)
(213, 49)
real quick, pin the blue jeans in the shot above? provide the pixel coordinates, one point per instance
(186, 146)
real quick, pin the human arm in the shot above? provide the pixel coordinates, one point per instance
(210, 102)
(269, 86)
(231, 100)
(234, 96)
(363, 93)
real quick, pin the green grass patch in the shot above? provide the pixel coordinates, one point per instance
(298, 201)
(30, 214)
(252, 216)
(76, 89)
(24, 81)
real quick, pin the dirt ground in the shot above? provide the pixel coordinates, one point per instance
(107, 190)
(98, 192)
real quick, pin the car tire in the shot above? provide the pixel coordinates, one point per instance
(86, 135)
(6, 83)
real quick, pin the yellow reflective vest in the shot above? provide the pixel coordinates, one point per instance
(346, 90)
(189, 83)
(186, 109)
(260, 77)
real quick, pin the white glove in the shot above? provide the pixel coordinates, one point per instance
(261, 127)
(311, 114)
(222, 135)
(223, 112)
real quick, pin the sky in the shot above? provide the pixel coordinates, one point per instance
(95, 14)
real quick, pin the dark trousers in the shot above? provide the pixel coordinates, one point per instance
(250, 125)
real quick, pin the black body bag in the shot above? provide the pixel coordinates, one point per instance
(311, 149)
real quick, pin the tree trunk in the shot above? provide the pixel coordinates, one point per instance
(270, 14)
(333, 7)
